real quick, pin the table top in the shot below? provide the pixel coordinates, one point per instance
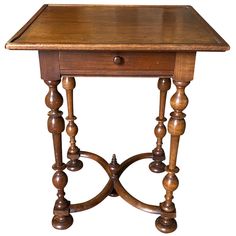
(117, 27)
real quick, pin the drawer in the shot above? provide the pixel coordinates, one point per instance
(116, 63)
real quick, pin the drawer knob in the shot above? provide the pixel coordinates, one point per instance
(118, 60)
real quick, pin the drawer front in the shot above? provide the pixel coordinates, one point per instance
(117, 63)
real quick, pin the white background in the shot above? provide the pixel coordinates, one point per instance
(117, 115)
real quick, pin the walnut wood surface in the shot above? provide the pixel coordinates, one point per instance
(157, 166)
(49, 65)
(117, 27)
(176, 126)
(73, 152)
(102, 63)
(62, 218)
(114, 40)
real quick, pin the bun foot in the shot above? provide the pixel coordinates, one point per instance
(74, 165)
(62, 222)
(157, 167)
(166, 225)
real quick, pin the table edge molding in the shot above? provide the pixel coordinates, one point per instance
(10, 44)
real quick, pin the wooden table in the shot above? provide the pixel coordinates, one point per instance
(93, 40)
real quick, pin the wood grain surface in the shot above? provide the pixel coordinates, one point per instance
(117, 27)
(102, 63)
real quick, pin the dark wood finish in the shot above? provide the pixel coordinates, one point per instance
(49, 65)
(118, 60)
(114, 183)
(99, 27)
(97, 40)
(102, 63)
(184, 66)
(176, 127)
(114, 171)
(62, 218)
(114, 168)
(27, 25)
(157, 166)
(73, 153)
(94, 201)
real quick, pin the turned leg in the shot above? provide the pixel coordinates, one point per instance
(62, 218)
(157, 165)
(73, 153)
(176, 127)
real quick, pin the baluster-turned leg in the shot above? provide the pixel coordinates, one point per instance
(176, 127)
(73, 153)
(157, 165)
(62, 218)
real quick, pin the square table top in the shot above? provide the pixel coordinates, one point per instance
(117, 27)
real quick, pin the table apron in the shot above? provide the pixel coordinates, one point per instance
(87, 63)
